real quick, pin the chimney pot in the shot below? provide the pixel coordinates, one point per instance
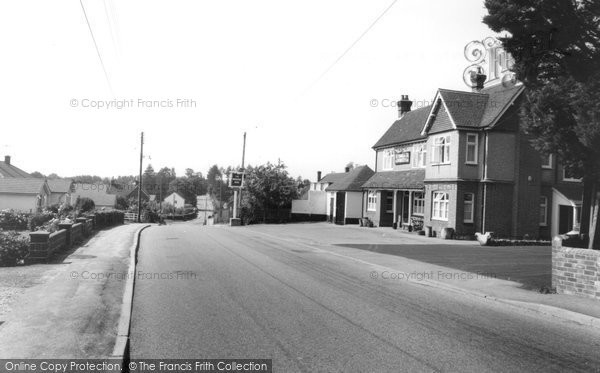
(347, 169)
(7, 159)
(318, 176)
(404, 105)
(478, 79)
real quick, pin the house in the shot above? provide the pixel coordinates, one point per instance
(312, 204)
(175, 199)
(465, 163)
(8, 170)
(60, 191)
(345, 196)
(97, 192)
(24, 194)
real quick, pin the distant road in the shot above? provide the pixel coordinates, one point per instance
(242, 294)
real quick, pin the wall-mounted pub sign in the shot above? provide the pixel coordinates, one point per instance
(401, 156)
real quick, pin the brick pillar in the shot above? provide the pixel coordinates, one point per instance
(67, 227)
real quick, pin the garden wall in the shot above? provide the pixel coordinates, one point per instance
(575, 271)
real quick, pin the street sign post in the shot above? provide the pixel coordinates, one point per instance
(236, 181)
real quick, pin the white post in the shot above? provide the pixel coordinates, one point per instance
(235, 193)
(410, 205)
(395, 212)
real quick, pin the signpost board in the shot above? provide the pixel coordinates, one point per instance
(236, 179)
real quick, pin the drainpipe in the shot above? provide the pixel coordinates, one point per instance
(485, 150)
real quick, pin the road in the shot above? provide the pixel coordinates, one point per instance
(241, 293)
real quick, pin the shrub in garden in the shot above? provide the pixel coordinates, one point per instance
(12, 220)
(38, 220)
(13, 247)
(85, 204)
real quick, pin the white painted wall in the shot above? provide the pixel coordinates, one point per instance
(18, 202)
(315, 204)
(175, 199)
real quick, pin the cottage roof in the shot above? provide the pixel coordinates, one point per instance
(332, 177)
(21, 185)
(353, 180)
(8, 170)
(96, 192)
(60, 185)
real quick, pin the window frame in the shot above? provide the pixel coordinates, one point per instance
(472, 204)
(547, 166)
(543, 205)
(440, 152)
(442, 201)
(420, 156)
(420, 205)
(565, 178)
(372, 200)
(475, 150)
(389, 154)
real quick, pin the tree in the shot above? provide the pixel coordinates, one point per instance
(37, 175)
(267, 187)
(556, 48)
(163, 178)
(214, 179)
(188, 188)
(149, 180)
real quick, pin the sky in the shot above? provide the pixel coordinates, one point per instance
(195, 75)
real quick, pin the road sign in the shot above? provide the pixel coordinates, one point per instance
(236, 179)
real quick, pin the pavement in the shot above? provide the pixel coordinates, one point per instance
(73, 310)
(510, 274)
(288, 293)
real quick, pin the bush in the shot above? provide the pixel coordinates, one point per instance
(11, 220)
(122, 203)
(54, 208)
(38, 220)
(85, 204)
(13, 247)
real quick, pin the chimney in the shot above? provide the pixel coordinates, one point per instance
(7, 159)
(403, 105)
(347, 169)
(477, 79)
(318, 176)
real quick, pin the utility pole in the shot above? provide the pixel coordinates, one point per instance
(243, 169)
(139, 218)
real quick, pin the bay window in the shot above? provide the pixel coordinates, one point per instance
(471, 155)
(440, 206)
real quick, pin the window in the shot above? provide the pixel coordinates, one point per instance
(570, 175)
(472, 148)
(440, 206)
(418, 203)
(468, 209)
(547, 161)
(372, 201)
(441, 150)
(543, 211)
(389, 203)
(388, 159)
(420, 156)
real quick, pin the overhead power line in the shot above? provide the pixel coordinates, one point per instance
(352, 45)
(96, 46)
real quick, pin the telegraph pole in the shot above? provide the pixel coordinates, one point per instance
(139, 218)
(243, 169)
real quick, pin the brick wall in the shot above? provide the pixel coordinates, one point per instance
(575, 271)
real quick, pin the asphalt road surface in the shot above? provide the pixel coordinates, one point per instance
(235, 293)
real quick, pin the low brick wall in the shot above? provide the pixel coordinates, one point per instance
(575, 271)
(44, 244)
(77, 233)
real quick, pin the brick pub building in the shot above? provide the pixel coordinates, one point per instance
(465, 163)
